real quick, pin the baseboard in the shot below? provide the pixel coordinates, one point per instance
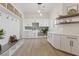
(35, 38)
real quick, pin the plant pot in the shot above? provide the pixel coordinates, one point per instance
(1, 37)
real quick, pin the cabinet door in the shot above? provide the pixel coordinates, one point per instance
(57, 41)
(53, 40)
(65, 44)
(75, 46)
(49, 37)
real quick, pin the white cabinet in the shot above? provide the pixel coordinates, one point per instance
(54, 40)
(65, 43)
(49, 37)
(44, 22)
(75, 46)
(57, 41)
(11, 50)
(30, 34)
(70, 44)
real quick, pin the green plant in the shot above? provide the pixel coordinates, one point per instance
(44, 31)
(72, 12)
(1, 33)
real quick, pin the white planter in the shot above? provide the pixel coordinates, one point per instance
(4, 41)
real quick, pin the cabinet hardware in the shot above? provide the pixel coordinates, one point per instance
(70, 43)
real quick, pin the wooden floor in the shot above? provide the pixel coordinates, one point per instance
(38, 47)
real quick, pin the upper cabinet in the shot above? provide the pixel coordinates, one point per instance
(11, 8)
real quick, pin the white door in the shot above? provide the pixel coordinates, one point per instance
(57, 41)
(65, 43)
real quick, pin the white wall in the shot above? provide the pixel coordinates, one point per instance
(67, 29)
(34, 18)
(57, 10)
(11, 26)
(29, 21)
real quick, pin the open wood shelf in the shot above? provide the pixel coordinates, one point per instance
(3, 4)
(11, 8)
(68, 22)
(67, 16)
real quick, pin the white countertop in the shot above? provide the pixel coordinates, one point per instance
(64, 34)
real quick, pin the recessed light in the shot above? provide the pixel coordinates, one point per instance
(40, 14)
(39, 11)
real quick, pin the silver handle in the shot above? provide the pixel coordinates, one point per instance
(70, 43)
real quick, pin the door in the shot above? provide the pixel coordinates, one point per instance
(65, 43)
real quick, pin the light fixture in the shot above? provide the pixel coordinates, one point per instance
(39, 9)
(41, 14)
(39, 3)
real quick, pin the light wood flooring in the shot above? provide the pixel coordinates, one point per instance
(38, 47)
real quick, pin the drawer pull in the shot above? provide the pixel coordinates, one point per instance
(71, 43)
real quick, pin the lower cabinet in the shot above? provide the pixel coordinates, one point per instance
(70, 44)
(65, 43)
(75, 46)
(56, 38)
(11, 50)
(51, 39)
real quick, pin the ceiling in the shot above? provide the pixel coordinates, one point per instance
(29, 9)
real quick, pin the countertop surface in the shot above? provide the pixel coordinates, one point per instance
(64, 34)
(6, 47)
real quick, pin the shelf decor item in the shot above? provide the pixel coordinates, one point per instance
(73, 9)
(13, 39)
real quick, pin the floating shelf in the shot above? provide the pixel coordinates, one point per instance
(68, 22)
(67, 16)
(11, 8)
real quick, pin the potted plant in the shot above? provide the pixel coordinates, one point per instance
(44, 31)
(1, 33)
(1, 36)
